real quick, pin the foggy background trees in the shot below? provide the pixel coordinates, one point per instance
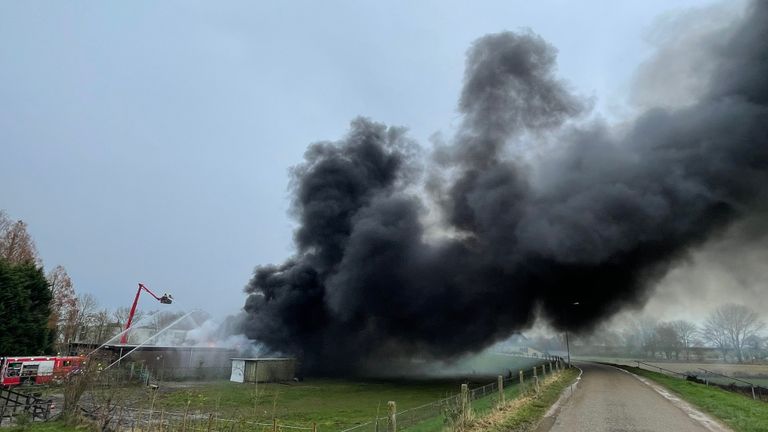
(730, 332)
(731, 326)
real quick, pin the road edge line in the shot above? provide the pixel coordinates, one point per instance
(691, 411)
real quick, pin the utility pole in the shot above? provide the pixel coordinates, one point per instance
(567, 345)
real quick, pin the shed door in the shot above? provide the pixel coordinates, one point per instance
(238, 371)
(251, 370)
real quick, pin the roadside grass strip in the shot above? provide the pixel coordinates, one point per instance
(740, 413)
(526, 411)
(54, 426)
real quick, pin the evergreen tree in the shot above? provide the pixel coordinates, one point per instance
(25, 300)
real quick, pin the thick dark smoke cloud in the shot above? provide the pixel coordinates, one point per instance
(598, 220)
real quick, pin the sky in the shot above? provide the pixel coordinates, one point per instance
(151, 141)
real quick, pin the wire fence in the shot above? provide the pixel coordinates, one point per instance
(450, 406)
(734, 384)
(708, 377)
(139, 420)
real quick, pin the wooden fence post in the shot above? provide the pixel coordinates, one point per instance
(500, 380)
(314, 426)
(151, 408)
(521, 377)
(392, 408)
(184, 422)
(535, 374)
(536, 380)
(464, 403)
(274, 425)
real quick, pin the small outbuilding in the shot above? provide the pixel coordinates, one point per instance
(264, 369)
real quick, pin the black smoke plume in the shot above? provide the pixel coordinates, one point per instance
(598, 219)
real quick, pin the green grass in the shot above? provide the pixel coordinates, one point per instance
(46, 427)
(763, 382)
(333, 403)
(741, 413)
(528, 415)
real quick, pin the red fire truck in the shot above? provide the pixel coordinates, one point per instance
(36, 370)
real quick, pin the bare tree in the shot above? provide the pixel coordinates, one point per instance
(645, 329)
(63, 301)
(16, 245)
(5, 222)
(732, 325)
(75, 385)
(686, 332)
(667, 340)
(79, 319)
(86, 305)
(161, 319)
(120, 315)
(715, 336)
(755, 344)
(101, 327)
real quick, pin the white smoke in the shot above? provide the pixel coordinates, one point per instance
(211, 334)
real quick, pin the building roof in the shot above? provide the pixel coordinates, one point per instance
(263, 358)
(164, 347)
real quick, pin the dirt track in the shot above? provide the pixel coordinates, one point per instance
(608, 399)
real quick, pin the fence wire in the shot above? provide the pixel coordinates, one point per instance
(708, 377)
(443, 407)
(138, 420)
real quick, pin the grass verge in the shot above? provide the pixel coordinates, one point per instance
(480, 408)
(46, 427)
(740, 413)
(525, 412)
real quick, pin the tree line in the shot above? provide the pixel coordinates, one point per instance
(40, 313)
(730, 332)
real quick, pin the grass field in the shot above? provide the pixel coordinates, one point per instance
(742, 414)
(332, 403)
(45, 427)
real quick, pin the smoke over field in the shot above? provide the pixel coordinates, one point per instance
(598, 216)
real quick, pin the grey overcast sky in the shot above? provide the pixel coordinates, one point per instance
(150, 141)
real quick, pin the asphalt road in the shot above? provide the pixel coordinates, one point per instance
(608, 399)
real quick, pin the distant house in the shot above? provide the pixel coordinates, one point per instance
(557, 353)
(531, 352)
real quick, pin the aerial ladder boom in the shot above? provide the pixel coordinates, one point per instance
(164, 299)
